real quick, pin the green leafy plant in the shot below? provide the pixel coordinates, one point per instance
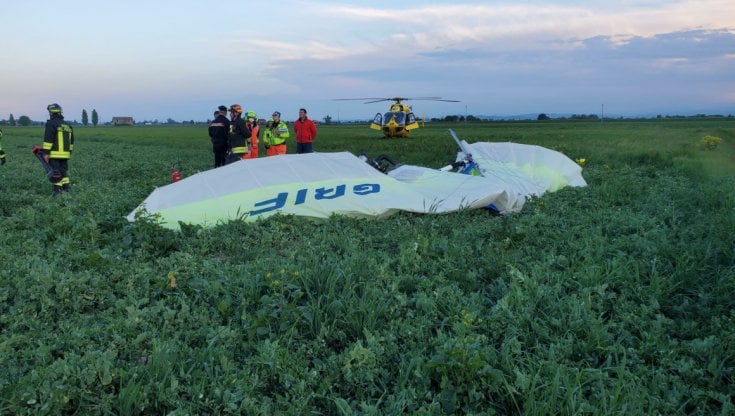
(709, 142)
(616, 298)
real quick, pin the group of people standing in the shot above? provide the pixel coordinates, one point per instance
(238, 137)
(232, 139)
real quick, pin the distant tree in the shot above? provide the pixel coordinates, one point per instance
(327, 119)
(95, 117)
(543, 116)
(472, 118)
(451, 118)
(24, 121)
(85, 119)
(11, 120)
(584, 117)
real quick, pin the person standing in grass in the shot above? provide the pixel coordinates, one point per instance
(276, 134)
(305, 132)
(2, 152)
(58, 143)
(239, 134)
(268, 139)
(219, 130)
(251, 121)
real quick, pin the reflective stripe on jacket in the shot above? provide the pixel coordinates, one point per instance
(255, 130)
(58, 140)
(239, 136)
(279, 133)
(219, 130)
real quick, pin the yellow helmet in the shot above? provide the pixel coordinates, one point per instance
(251, 114)
(54, 108)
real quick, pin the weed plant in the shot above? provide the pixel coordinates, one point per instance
(616, 298)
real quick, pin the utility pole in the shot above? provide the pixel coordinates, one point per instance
(602, 112)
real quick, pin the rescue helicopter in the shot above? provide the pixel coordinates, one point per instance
(399, 120)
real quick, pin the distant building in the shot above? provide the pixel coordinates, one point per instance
(122, 121)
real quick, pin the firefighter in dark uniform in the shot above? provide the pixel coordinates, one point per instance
(58, 143)
(2, 152)
(239, 134)
(219, 131)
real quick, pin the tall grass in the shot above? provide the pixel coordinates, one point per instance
(610, 299)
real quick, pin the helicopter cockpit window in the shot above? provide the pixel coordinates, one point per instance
(399, 116)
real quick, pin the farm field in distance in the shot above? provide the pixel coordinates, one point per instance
(617, 298)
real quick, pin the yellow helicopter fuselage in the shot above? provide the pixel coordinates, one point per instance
(397, 122)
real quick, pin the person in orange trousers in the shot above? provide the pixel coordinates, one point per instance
(252, 123)
(275, 136)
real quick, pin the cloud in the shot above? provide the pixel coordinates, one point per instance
(279, 50)
(677, 68)
(489, 36)
(450, 24)
(500, 56)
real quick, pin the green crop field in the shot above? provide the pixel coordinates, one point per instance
(617, 298)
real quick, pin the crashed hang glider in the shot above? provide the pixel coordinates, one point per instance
(317, 185)
(528, 169)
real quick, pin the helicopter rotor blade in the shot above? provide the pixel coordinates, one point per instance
(431, 99)
(396, 99)
(358, 99)
(369, 99)
(377, 100)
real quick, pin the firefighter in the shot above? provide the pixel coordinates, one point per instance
(278, 133)
(58, 143)
(219, 130)
(2, 152)
(239, 134)
(252, 123)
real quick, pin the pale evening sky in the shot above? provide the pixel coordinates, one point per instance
(181, 59)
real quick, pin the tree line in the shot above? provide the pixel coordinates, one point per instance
(456, 118)
(26, 121)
